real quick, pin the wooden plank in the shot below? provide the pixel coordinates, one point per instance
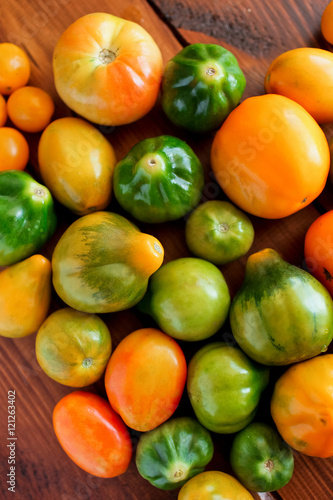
(44, 471)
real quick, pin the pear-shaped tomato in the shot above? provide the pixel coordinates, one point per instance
(76, 163)
(145, 378)
(102, 263)
(73, 348)
(27, 216)
(25, 295)
(281, 314)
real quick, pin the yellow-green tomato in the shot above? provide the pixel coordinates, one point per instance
(213, 485)
(219, 232)
(73, 347)
(76, 163)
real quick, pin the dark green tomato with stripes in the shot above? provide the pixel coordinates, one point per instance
(261, 459)
(27, 216)
(201, 85)
(160, 179)
(171, 454)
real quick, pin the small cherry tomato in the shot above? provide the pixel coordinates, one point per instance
(3, 111)
(327, 23)
(92, 434)
(15, 68)
(318, 250)
(30, 109)
(14, 149)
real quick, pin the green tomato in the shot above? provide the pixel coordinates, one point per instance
(174, 452)
(201, 85)
(160, 179)
(27, 216)
(188, 298)
(224, 387)
(261, 459)
(219, 232)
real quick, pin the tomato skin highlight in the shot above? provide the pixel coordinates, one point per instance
(92, 434)
(145, 378)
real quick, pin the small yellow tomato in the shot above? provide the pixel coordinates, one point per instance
(213, 485)
(15, 68)
(30, 109)
(327, 23)
(14, 149)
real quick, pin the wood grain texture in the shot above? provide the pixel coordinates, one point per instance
(256, 32)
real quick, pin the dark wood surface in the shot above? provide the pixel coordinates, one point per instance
(256, 31)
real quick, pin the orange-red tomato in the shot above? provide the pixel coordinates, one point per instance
(14, 149)
(107, 69)
(327, 23)
(302, 406)
(145, 378)
(15, 68)
(92, 434)
(30, 109)
(270, 157)
(318, 250)
(3, 111)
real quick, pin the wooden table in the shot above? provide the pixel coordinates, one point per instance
(256, 32)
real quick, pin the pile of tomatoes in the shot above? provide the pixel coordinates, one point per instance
(271, 159)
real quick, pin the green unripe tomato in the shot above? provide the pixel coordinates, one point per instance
(224, 387)
(219, 232)
(201, 85)
(171, 454)
(261, 459)
(188, 298)
(160, 179)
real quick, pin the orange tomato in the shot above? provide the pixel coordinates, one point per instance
(3, 111)
(304, 75)
(318, 250)
(92, 434)
(107, 69)
(15, 68)
(302, 406)
(14, 149)
(30, 109)
(145, 378)
(270, 157)
(327, 23)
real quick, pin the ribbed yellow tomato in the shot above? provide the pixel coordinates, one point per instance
(107, 69)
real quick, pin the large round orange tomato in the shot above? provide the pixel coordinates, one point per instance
(107, 69)
(14, 149)
(318, 249)
(305, 75)
(92, 434)
(145, 378)
(302, 406)
(15, 68)
(30, 109)
(270, 157)
(327, 23)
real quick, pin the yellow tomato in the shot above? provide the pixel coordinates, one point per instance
(76, 163)
(107, 69)
(213, 485)
(30, 109)
(304, 75)
(14, 149)
(327, 23)
(14, 68)
(73, 348)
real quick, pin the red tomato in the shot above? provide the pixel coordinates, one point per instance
(145, 378)
(15, 68)
(14, 149)
(30, 109)
(92, 434)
